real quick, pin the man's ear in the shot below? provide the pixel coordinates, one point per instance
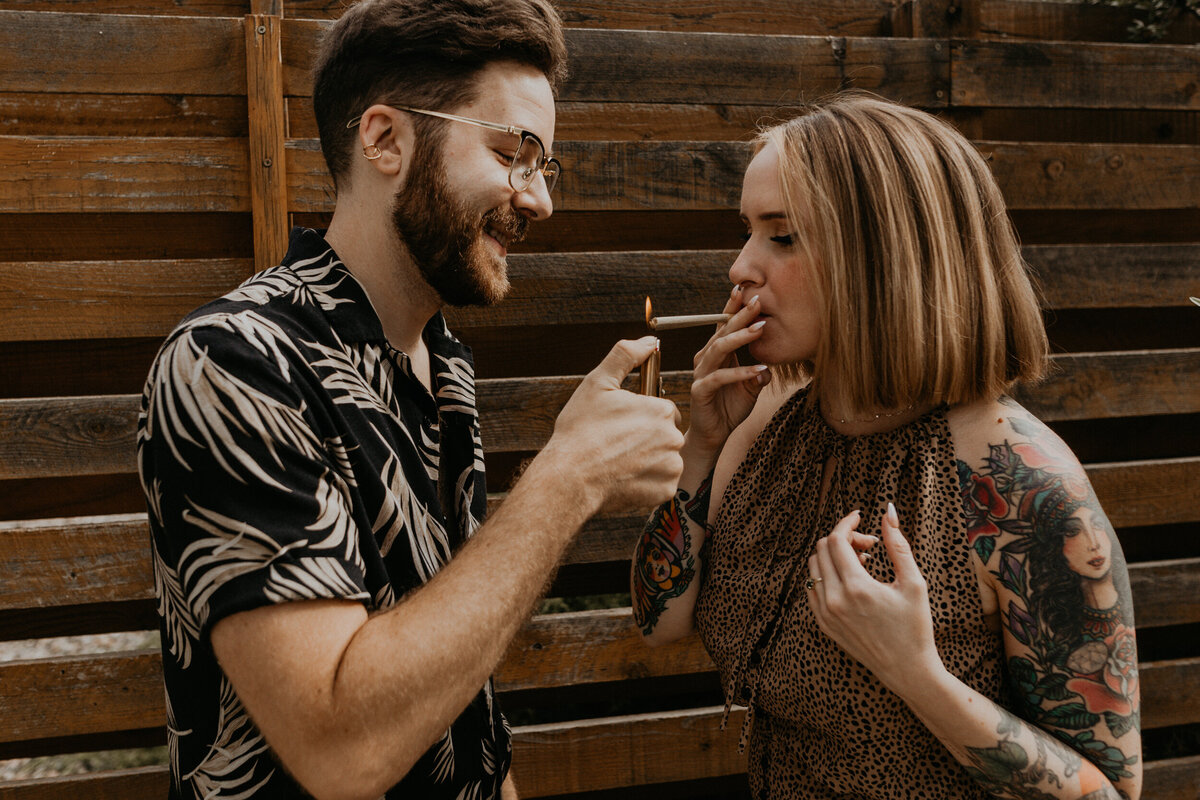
(385, 139)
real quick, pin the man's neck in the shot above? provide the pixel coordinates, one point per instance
(401, 297)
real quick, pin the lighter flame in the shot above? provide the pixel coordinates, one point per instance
(647, 309)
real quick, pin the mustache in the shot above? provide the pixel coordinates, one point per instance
(508, 222)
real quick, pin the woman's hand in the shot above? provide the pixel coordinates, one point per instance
(888, 627)
(723, 393)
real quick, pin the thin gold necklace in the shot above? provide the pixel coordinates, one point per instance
(872, 418)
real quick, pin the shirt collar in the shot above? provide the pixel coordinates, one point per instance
(344, 301)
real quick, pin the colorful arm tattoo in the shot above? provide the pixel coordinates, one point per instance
(664, 563)
(1034, 521)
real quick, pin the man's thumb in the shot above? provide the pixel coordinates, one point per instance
(625, 356)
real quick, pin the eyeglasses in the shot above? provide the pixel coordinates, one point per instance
(528, 160)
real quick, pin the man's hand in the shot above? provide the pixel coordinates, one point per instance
(622, 447)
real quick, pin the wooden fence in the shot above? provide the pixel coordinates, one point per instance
(153, 154)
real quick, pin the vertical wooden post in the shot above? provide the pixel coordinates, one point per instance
(268, 172)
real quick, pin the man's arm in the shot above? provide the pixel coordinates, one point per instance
(349, 701)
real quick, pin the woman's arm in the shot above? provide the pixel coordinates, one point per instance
(670, 552)
(1053, 561)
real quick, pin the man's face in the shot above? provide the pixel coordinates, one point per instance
(457, 212)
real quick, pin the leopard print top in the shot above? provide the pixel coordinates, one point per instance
(819, 724)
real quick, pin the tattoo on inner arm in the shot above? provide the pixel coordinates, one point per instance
(664, 563)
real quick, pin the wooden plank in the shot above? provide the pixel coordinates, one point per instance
(1170, 692)
(268, 173)
(1147, 492)
(101, 299)
(65, 52)
(1036, 19)
(616, 752)
(590, 647)
(629, 66)
(1172, 779)
(76, 561)
(1115, 276)
(44, 437)
(102, 174)
(1071, 75)
(106, 299)
(140, 115)
(27, 236)
(99, 174)
(81, 695)
(1129, 384)
(140, 783)
(1095, 176)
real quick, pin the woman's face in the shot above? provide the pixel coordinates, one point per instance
(1086, 544)
(770, 267)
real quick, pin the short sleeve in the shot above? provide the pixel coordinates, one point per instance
(246, 507)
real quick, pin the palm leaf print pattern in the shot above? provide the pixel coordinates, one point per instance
(287, 452)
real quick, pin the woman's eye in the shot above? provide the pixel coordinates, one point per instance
(786, 241)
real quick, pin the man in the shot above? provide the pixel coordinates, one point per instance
(332, 606)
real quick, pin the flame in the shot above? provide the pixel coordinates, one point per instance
(647, 309)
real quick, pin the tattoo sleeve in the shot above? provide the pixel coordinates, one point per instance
(1071, 670)
(665, 561)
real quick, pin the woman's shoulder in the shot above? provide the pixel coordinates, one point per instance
(999, 443)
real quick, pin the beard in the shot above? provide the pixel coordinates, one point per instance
(446, 238)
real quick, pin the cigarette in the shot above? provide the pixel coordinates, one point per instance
(686, 321)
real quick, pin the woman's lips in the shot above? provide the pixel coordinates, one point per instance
(1097, 562)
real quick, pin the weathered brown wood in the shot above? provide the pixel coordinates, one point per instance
(82, 174)
(42, 437)
(1132, 384)
(104, 299)
(647, 66)
(75, 367)
(78, 561)
(140, 115)
(1034, 19)
(1147, 492)
(1062, 74)
(1095, 176)
(589, 647)
(1172, 779)
(84, 561)
(188, 8)
(31, 236)
(268, 173)
(99, 174)
(1170, 692)
(1106, 125)
(627, 751)
(64, 52)
(78, 695)
(1115, 276)
(140, 783)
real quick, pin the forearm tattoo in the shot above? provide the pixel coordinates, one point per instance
(1034, 521)
(664, 564)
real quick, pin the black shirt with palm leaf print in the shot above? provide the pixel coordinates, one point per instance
(287, 453)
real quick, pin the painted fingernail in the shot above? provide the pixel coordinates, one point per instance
(753, 300)
(892, 516)
(758, 325)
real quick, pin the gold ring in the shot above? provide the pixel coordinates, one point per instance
(811, 583)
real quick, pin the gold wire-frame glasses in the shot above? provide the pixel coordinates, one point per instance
(528, 160)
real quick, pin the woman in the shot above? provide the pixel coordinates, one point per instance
(881, 275)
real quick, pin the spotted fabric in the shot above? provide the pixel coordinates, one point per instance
(819, 724)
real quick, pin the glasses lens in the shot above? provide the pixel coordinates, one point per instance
(551, 172)
(526, 162)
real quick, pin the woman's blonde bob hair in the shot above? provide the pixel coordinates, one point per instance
(913, 259)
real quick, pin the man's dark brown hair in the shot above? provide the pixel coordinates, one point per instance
(423, 54)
